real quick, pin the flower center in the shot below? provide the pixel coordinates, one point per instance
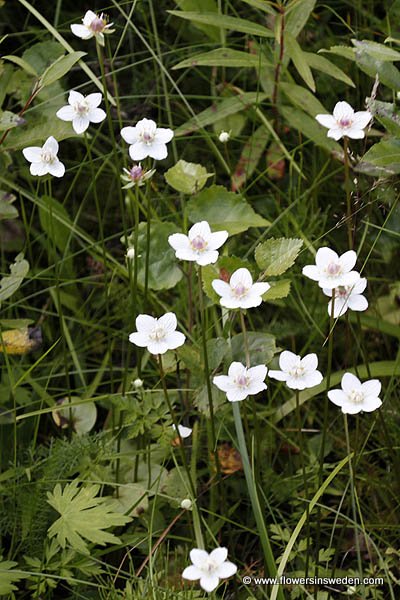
(198, 243)
(342, 292)
(47, 156)
(333, 269)
(240, 290)
(297, 371)
(81, 108)
(356, 397)
(136, 172)
(209, 566)
(242, 381)
(345, 122)
(157, 334)
(97, 25)
(147, 137)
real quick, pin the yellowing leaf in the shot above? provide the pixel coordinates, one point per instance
(21, 341)
(186, 177)
(82, 517)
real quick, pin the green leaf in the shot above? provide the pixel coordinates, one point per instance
(55, 221)
(262, 5)
(388, 74)
(8, 120)
(164, 272)
(250, 157)
(261, 347)
(385, 154)
(9, 284)
(298, 13)
(217, 348)
(220, 110)
(17, 60)
(82, 517)
(188, 178)
(378, 51)
(9, 576)
(42, 54)
(302, 98)
(275, 256)
(298, 119)
(343, 51)
(132, 499)
(206, 6)
(7, 210)
(176, 486)
(386, 113)
(224, 211)
(278, 290)
(318, 62)
(72, 411)
(36, 131)
(224, 57)
(224, 22)
(60, 67)
(299, 60)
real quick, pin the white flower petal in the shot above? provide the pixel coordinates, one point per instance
(221, 287)
(179, 241)
(335, 133)
(94, 99)
(192, 573)
(139, 339)
(237, 369)
(51, 145)
(33, 154)
(232, 302)
(145, 323)
(227, 569)
(362, 118)
(158, 347)
(40, 168)
(198, 557)
(237, 394)
(207, 258)
(351, 408)
(129, 134)
(219, 555)
(241, 276)
(371, 388)
(80, 124)
(279, 375)
(89, 17)
(371, 404)
(75, 97)
(222, 382)
(250, 300)
(66, 113)
(157, 150)
(348, 260)
(326, 120)
(355, 133)
(340, 308)
(138, 151)
(357, 302)
(97, 115)
(82, 32)
(164, 135)
(209, 582)
(168, 322)
(312, 379)
(258, 372)
(338, 397)
(255, 387)
(288, 360)
(350, 382)
(217, 239)
(325, 256)
(260, 288)
(309, 362)
(175, 339)
(312, 272)
(359, 286)
(56, 168)
(201, 229)
(343, 110)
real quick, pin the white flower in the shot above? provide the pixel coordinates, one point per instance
(157, 335)
(224, 137)
(345, 122)
(348, 296)
(332, 271)
(241, 381)
(356, 396)
(299, 373)
(44, 160)
(184, 432)
(200, 245)
(130, 253)
(82, 110)
(93, 25)
(240, 292)
(209, 568)
(147, 139)
(136, 175)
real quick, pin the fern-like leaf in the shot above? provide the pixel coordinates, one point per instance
(82, 517)
(8, 576)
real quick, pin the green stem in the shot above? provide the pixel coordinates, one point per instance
(303, 468)
(349, 219)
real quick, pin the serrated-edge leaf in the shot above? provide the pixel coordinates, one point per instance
(275, 256)
(224, 22)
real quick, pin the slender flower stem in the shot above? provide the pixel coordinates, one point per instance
(349, 219)
(255, 502)
(305, 482)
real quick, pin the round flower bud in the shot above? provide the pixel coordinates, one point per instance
(130, 253)
(186, 504)
(224, 137)
(138, 383)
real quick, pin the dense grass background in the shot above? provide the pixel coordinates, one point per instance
(82, 294)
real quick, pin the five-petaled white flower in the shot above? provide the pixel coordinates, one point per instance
(241, 381)
(93, 25)
(200, 245)
(184, 432)
(82, 110)
(345, 122)
(146, 139)
(157, 335)
(356, 396)
(240, 292)
(44, 160)
(331, 270)
(136, 175)
(348, 296)
(298, 373)
(209, 568)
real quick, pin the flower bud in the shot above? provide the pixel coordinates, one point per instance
(186, 504)
(224, 137)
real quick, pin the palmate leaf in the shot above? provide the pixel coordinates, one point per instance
(82, 517)
(8, 576)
